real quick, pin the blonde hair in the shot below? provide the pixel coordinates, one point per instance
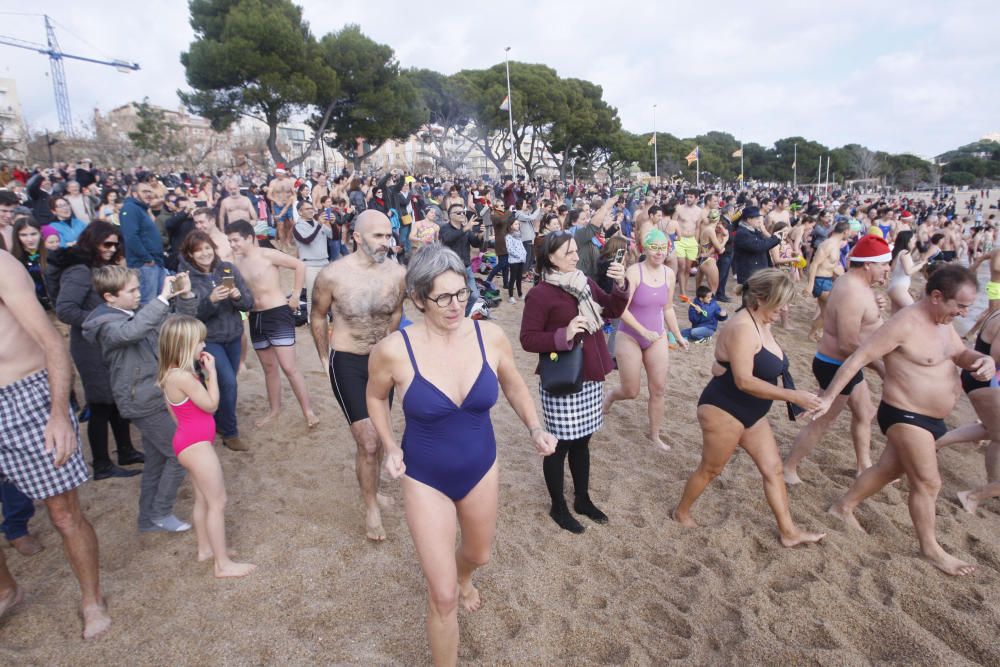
(769, 289)
(111, 279)
(179, 338)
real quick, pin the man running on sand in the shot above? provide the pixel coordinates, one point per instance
(823, 270)
(235, 206)
(920, 349)
(364, 294)
(272, 320)
(39, 438)
(687, 216)
(853, 312)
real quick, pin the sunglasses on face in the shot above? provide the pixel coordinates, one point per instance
(110, 245)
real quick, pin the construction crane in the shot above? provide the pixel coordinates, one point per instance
(56, 56)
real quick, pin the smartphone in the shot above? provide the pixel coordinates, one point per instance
(620, 256)
(229, 282)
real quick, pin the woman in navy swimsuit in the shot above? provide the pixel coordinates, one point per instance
(733, 407)
(449, 370)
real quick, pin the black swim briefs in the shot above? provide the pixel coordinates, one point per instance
(824, 371)
(349, 380)
(890, 414)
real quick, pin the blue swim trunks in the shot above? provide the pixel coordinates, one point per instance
(822, 284)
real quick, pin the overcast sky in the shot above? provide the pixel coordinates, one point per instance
(915, 76)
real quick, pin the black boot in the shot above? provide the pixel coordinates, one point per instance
(560, 514)
(579, 468)
(583, 505)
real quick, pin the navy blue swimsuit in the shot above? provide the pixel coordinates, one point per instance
(446, 446)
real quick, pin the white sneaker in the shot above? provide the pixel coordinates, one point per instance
(512, 300)
(172, 524)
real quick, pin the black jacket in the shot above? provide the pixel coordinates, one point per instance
(750, 252)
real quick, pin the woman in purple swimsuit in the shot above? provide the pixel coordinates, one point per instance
(644, 343)
(448, 369)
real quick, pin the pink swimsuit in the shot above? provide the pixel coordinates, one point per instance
(194, 425)
(647, 307)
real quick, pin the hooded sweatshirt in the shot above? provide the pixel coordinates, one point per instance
(222, 319)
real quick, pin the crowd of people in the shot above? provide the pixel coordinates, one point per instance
(162, 284)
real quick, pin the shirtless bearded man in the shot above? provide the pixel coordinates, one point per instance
(823, 269)
(687, 216)
(364, 294)
(40, 440)
(853, 312)
(282, 197)
(235, 206)
(272, 320)
(920, 349)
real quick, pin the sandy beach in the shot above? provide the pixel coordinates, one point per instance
(640, 590)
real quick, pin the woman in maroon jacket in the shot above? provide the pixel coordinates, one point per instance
(566, 307)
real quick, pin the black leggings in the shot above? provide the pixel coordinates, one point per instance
(579, 468)
(516, 274)
(101, 415)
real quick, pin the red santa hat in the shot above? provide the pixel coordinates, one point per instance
(280, 168)
(906, 216)
(871, 248)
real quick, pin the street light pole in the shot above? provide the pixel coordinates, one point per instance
(510, 115)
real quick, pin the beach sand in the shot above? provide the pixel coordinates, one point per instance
(640, 590)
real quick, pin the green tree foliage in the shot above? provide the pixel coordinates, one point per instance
(254, 58)
(447, 113)
(373, 102)
(154, 135)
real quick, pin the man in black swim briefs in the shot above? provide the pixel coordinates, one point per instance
(363, 294)
(852, 313)
(920, 349)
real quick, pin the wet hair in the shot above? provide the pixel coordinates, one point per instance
(902, 242)
(195, 240)
(241, 227)
(178, 345)
(769, 289)
(425, 266)
(111, 278)
(950, 278)
(88, 245)
(550, 245)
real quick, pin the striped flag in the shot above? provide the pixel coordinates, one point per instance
(738, 152)
(693, 156)
(505, 105)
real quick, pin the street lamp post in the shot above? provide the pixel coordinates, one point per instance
(510, 115)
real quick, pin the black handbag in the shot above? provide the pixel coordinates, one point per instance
(562, 372)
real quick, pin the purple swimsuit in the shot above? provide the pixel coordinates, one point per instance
(647, 307)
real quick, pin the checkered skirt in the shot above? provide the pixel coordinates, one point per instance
(24, 412)
(576, 415)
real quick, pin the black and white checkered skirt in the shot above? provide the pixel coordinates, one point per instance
(576, 415)
(24, 412)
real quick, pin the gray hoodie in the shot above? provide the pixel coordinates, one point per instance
(129, 345)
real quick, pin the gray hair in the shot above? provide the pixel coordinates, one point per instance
(426, 265)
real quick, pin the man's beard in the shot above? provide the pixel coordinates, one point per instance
(378, 256)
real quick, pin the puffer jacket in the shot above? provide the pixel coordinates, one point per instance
(222, 319)
(129, 345)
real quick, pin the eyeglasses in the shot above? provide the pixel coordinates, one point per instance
(658, 247)
(444, 300)
(109, 244)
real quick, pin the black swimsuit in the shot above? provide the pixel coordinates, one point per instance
(723, 393)
(969, 382)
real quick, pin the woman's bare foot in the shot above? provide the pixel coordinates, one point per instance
(232, 569)
(11, 600)
(801, 537)
(969, 503)
(267, 419)
(373, 525)
(847, 516)
(792, 477)
(96, 620)
(659, 444)
(468, 596)
(684, 518)
(311, 419)
(949, 564)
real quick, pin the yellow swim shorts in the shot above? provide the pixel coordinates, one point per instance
(687, 247)
(992, 291)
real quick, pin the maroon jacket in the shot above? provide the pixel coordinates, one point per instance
(547, 312)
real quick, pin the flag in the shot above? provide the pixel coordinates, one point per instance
(793, 163)
(652, 141)
(738, 152)
(692, 156)
(740, 177)
(505, 105)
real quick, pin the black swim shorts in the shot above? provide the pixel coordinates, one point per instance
(272, 327)
(349, 380)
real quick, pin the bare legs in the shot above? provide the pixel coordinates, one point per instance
(816, 328)
(209, 518)
(986, 402)
(431, 517)
(909, 449)
(271, 359)
(655, 359)
(862, 414)
(367, 464)
(722, 434)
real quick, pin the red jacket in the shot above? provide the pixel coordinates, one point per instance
(547, 312)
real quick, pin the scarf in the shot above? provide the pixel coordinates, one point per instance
(576, 285)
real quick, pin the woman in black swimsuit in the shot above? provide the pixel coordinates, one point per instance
(733, 407)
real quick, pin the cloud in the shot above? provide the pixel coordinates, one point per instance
(916, 77)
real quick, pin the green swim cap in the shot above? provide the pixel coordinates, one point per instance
(654, 235)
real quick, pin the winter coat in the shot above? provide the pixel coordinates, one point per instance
(76, 299)
(222, 319)
(140, 234)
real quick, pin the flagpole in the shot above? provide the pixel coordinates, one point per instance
(828, 174)
(697, 167)
(819, 174)
(795, 164)
(656, 168)
(510, 115)
(742, 176)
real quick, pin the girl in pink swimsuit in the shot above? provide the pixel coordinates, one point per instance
(644, 344)
(192, 403)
